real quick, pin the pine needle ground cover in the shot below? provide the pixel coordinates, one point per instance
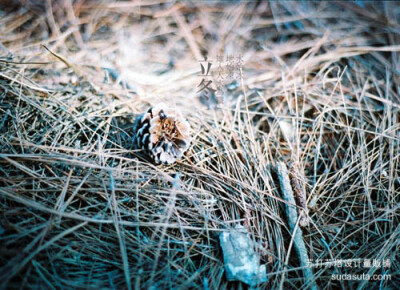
(317, 90)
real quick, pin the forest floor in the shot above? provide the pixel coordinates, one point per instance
(314, 86)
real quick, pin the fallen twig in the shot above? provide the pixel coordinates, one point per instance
(291, 212)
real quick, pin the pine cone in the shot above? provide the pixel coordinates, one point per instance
(162, 133)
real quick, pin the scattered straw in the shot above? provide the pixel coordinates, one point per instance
(80, 209)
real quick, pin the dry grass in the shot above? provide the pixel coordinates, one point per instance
(79, 209)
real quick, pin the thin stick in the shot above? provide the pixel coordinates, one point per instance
(297, 234)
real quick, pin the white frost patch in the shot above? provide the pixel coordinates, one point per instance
(241, 261)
